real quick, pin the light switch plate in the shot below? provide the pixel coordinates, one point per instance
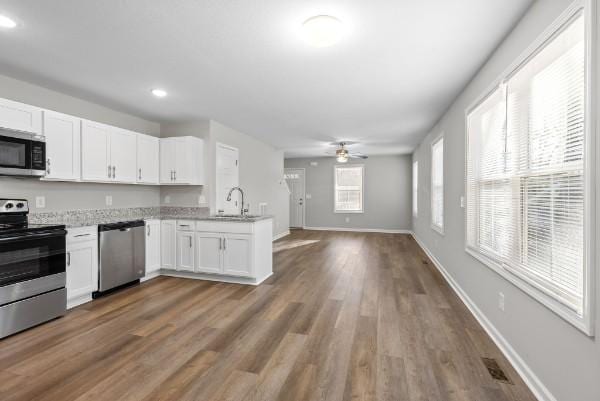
(40, 202)
(308, 196)
(314, 164)
(108, 200)
(462, 202)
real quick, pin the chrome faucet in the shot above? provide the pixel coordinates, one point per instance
(242, 211)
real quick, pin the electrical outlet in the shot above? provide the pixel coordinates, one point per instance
(501, 301)
(40, 202)
(201, 199)
(308, 196)
(314, 164)
(462, 202)
(347, 219)
(167, 199)
(108, 200)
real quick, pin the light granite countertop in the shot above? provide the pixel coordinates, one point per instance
(83, 218)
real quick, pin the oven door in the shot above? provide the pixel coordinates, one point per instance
(31, 264)
(22, 154)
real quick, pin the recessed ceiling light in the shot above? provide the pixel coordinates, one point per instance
(323, 30)
(159, 92)
(6, 22)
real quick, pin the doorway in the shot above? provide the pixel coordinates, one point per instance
(227, 178)
(295, 178)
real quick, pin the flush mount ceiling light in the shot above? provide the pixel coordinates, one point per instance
(341, 155)
(6, 22)
(322, 30)
(159, 92)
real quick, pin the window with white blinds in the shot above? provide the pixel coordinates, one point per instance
(437, 184)
(415, 188)
(525, 171)
(348, 189)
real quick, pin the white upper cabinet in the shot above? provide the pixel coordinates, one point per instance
(123, 145)
(20, 117)
(108, 154)
(182, 161)
(63, 146)
(147, 159)
(95, 151)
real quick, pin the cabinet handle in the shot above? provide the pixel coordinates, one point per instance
(171, 175)
(82, 235)
(220, 243)
(148, 231)
(68, 258)
(140, 175)
(190, 241)
(109, 171)
(114, 174)
(48, 166)
(224, 244)
(175, 174)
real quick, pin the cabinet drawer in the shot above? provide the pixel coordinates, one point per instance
(185, 225)
(78, 234)
(224, 227)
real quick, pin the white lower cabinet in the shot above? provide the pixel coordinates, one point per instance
(168, 244)
(82, 265)
(216, 250)
(185, 251)
(153, 249)
(208, 253)
(237, 255)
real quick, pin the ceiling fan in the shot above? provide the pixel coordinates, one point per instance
(342, 155)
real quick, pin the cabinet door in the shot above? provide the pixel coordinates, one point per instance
(123, 154)
(167, 160)
(95, 151)
(185, 251)
(152, 246)
(208, 253)
(147, 159)
(63, 146)
(183, 162)
(82, 268)
(168, 244)
(20, 117)
(237, 255)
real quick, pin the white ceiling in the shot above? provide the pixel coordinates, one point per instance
(244, 64)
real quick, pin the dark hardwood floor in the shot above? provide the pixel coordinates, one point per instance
(346, 316)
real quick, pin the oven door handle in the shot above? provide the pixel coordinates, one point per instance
(38, 235)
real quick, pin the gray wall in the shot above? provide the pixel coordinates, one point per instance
(261, 171)
(565, 360)
(63, 196)
(387, 193)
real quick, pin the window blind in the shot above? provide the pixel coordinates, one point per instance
(415, 188)
(437, 184)
(525, 170)
(348, 188)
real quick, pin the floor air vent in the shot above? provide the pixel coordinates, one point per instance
(495, 370)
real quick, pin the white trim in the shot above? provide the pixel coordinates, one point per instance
(586, 322)
(304, 195)
(435, 227)
(362, 188)
(529, 377)
(80, 300)
(150, 276)
(281, 235)
(214, 277)
(359, 230)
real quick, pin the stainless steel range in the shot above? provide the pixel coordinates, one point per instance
(32, 269)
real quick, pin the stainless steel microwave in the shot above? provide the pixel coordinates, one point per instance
(22, 154)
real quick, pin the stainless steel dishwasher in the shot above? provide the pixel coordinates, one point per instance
(122, 254)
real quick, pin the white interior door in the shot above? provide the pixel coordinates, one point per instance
(227, 178)
(296, 183)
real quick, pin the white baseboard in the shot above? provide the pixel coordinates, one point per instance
(150, 276)
(281, 235)
(360, 230)
(214, 277)
(80, 300)
(529, 377)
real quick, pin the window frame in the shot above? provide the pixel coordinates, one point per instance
(439, 229)
(415, 189)
(586, 321)
(362, 189)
